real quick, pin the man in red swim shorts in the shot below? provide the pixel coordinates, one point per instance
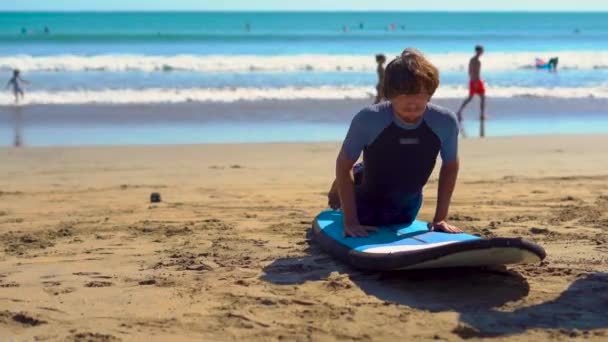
(476, 87)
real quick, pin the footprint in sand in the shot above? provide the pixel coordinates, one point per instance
(54, 291)
(92, 337)
(7, 285)
(241, 282)
(98, 284)
(8, 317)
(51, 283)
(147, 282)
(86, 273)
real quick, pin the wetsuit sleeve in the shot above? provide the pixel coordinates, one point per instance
(356, 138)
(449, 143)
(445, 125)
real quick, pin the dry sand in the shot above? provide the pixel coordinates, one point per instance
(226, 255)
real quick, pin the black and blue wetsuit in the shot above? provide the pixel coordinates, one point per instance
(399, 159)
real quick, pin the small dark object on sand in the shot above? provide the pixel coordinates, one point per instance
(155, 197)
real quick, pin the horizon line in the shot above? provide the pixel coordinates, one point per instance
(297, 11)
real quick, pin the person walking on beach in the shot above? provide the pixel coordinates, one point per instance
(15, 82)
(380, 59)
(476, 87)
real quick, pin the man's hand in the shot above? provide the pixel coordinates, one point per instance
(443, 226)
(333, 197)
(358, 230)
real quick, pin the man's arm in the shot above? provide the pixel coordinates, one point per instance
(471, 68)
(447, 181)
(346, 189)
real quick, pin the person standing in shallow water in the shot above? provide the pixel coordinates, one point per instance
(476, 87)
(380, 59)
(15, 82)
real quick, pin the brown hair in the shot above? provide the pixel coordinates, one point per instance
(410, 74)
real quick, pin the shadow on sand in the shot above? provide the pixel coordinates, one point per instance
(475, 293)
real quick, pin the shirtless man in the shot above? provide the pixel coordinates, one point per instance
(476, 87)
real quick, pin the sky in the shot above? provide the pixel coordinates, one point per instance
(311, 5)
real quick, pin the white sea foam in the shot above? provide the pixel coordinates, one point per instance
(498, 61)
(159, 95)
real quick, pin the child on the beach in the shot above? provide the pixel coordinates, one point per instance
(333, 198)
(15, 82)
(400, 140)
(380, 59)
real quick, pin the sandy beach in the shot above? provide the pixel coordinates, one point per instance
(226, 255)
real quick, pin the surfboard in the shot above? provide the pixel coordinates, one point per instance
(413, 246)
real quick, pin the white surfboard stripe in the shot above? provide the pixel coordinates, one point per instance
(403, 248)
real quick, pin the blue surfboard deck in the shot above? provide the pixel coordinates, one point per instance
(410, 246)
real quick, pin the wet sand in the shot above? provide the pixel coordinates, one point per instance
(271, 121)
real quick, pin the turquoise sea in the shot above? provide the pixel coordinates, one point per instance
(85, 59)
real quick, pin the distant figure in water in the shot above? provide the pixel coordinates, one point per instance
(248, 27)
(380, 59)
(553, 61)
(15, 82)
(47, 30)
(23, 30)
(551, 65)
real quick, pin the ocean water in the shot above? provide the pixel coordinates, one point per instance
(215, 57)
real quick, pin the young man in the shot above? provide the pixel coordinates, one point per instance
(400, 140)
(476, 87)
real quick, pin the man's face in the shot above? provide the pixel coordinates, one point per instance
(409, 108)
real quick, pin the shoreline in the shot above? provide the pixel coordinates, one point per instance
(297, 110)
(271, 121)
